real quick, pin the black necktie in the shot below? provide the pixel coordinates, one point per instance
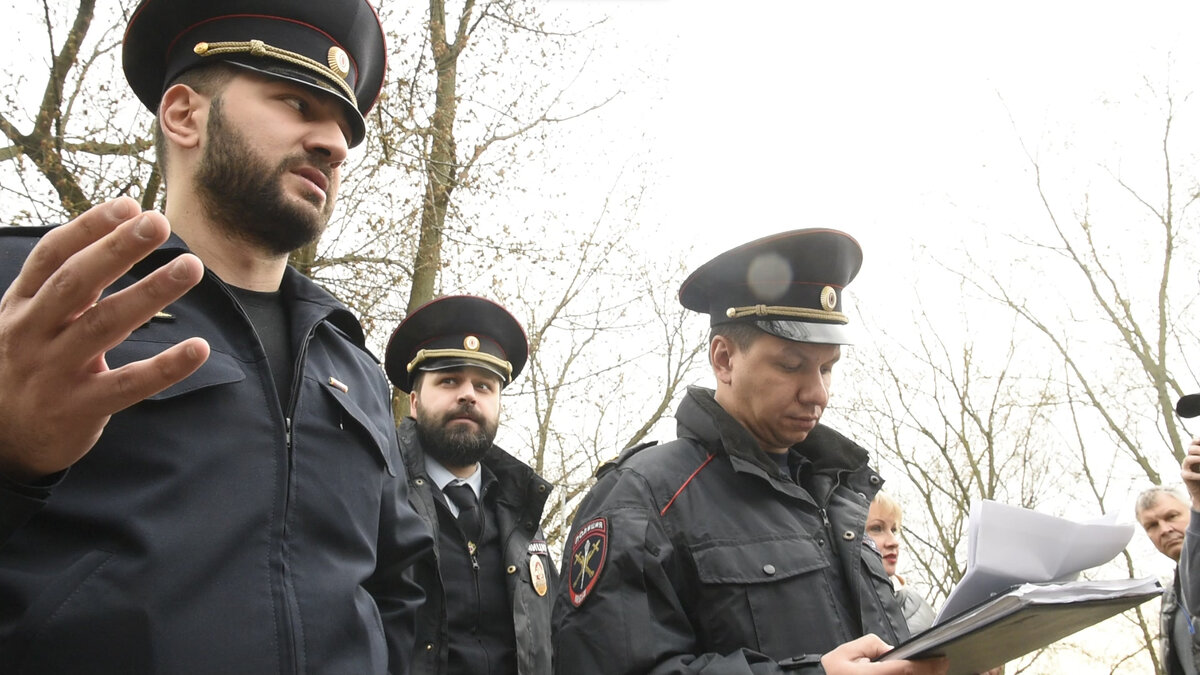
(468, 510)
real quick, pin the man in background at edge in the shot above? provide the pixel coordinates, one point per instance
(1171, 521)
(738, 548)
(198, 462)
(487, 607)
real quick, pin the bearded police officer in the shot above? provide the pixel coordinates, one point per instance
(488, 580)
(198, 463)
(738, 548)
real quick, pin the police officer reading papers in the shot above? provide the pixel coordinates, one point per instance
(738, 548)
(488, 582)
(198, 462)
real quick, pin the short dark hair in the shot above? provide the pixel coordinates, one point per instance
(209, 80)
(417, 378)
(742, 335)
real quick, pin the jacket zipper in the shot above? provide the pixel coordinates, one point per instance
(291, 655)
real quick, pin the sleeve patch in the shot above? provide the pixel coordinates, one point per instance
(588, 553)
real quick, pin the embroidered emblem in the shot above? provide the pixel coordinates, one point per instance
(537, 574)
(538, 546)
(588, 553)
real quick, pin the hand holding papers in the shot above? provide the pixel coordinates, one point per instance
(1004, 607)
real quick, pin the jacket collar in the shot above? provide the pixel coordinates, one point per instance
(701, 418)
(517, 484)
(310, 303)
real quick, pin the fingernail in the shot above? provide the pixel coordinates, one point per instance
(120, 210)
(178, 270)
(142, 228)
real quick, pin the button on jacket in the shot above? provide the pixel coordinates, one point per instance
(519, 498)
(208, 531)
(713, 561)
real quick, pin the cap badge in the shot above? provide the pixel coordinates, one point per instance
(471, 343)
(339, 62)
(828, 298)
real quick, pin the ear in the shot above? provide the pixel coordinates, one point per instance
(720, 354)
(182, 115)
(412, 401)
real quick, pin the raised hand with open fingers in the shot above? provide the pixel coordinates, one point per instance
(56, 391)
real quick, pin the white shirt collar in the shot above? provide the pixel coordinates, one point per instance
(441, 477)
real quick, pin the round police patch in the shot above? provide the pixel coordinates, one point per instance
(588, 553)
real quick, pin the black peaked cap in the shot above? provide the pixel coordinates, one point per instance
(333, 46)
(790, 285)
(452, 332)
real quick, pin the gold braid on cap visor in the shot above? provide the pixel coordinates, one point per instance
(426, 354)
(262, 49)
(779, 310)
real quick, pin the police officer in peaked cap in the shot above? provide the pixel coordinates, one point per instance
(199, 471)
(739, 547)
(488, 584)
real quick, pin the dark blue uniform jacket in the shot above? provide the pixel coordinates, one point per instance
(208, 531)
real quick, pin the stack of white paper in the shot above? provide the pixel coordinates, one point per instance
(1008, 546)
(1019, 594)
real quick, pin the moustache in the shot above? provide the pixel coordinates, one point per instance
(465, 411)
(313, 160)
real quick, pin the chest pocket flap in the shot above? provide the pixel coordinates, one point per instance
(757, 561)
(380, 437)
(219, 368)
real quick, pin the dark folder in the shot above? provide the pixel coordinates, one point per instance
(1023, 620)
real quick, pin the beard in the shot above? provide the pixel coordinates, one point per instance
(459, 446)
(243, 195)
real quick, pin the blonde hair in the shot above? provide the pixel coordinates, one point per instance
(887, 506)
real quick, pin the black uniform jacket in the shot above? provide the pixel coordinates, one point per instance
(521, 497)
(207, 531)
(700, 556)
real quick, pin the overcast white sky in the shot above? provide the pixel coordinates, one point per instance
(900, 123)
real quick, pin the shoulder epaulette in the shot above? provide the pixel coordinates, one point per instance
(625, 454)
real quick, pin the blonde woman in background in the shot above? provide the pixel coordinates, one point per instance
(883, 526)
